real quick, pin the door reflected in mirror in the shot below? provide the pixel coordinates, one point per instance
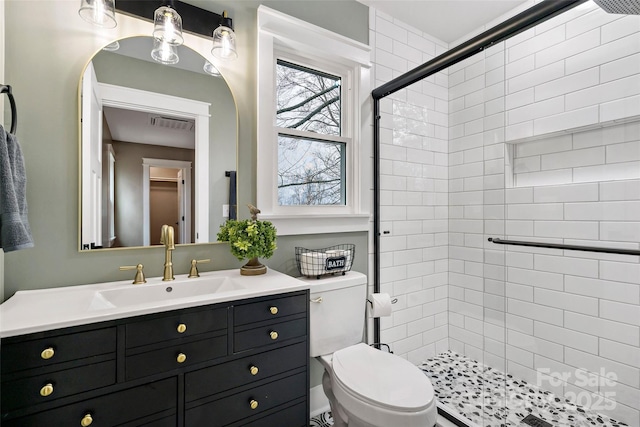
(156, 141)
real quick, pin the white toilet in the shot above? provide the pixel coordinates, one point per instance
(366, 387)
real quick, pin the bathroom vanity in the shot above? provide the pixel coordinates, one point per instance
(238, 356)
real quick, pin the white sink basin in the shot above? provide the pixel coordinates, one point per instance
(39, 310)
(164, 291)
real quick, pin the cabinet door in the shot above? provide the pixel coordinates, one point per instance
(270, 334)
(215, 379)
(293, 416)
(244, 314)
(18, 356)
(31, 390)
(248, 403)
(109, 410)
(177, 325)
(174, 357)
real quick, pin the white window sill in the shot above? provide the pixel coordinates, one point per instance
(289, 225)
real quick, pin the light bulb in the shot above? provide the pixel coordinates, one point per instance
(164, 53)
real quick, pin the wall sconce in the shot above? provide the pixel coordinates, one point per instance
(98, 12)
(190, 18)
(167, 26)
(224, 40)
(164, 53)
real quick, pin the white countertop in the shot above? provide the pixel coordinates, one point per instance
(46, 309)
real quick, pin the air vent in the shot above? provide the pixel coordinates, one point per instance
(171, 123)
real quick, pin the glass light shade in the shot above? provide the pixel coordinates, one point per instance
(167, 26)
(164, 53)
(224, 43)
(112, 47)
(99, 12)
(211, 69)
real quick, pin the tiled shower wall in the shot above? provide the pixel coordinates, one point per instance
(413, 182)
(567, 321)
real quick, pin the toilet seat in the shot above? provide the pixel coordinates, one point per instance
(382, 379)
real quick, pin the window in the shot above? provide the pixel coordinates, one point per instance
(313, 168)
(307, 99)
(311, 171)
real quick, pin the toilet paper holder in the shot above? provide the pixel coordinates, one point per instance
(393, 301)
(379, 345)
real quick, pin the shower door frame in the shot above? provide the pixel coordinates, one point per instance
(529, 18)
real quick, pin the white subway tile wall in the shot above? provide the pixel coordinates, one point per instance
(507, 167)
(414, 179)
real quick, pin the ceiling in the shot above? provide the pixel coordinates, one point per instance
(150, 128)
(445, 20)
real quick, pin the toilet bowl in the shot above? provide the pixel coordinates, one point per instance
(366, 387)
(375, 388)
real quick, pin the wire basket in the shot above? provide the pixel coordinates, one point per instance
(331, 260)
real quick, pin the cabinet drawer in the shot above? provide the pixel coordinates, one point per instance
(166, 359)
(209, 381)
(238, 406)
(109, 410)
(263, 335)
(56, 349)
(293, 416)
(269, 309)
(153, 421)
(174, 326)
(28, 391)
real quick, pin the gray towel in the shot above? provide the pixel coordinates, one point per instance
(14, 226)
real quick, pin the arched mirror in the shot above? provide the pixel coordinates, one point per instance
(158, 146)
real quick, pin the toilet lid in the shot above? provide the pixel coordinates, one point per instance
(381, 378)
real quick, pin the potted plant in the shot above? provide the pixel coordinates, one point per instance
(250, 239)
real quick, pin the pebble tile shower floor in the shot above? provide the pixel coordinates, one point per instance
(463, 384)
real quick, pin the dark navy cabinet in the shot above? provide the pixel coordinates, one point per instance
(241, 363)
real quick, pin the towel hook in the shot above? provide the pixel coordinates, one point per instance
(14, 113)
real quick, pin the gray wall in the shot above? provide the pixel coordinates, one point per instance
(45, 56)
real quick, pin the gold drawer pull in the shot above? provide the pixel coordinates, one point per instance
(253, 370)
(273, 310)
(47, 390)
(253, 404)
(181, 358)
(273, 335)
(47, 353)
(182, 328)
(86, 421)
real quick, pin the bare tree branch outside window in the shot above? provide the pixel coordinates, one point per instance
(310, 171)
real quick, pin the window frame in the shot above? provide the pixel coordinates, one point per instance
(281, 37)
(346, 129)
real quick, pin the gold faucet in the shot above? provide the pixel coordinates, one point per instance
(139, 279)
(166, 238)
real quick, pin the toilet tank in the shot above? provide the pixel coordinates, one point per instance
(337, 307)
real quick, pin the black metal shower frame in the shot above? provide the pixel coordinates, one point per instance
(523, 21)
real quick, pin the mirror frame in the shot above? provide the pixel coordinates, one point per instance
(196, 44)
